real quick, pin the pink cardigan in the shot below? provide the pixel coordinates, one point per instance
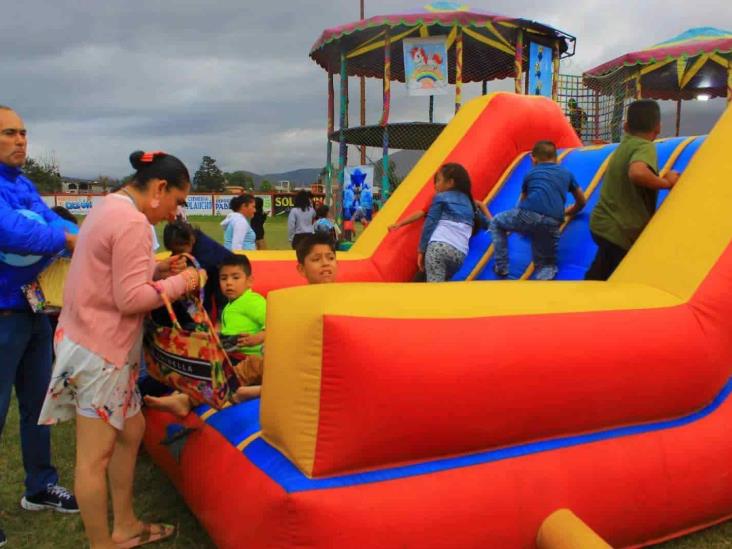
(107, 290)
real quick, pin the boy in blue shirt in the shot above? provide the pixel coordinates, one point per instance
(540, 212)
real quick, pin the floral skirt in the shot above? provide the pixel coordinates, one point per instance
(84, 383)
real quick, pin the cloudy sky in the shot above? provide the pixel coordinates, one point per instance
(96, 79)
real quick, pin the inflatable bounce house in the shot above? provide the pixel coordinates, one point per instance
(464, 414)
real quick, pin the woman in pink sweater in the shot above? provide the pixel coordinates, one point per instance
(112, 282)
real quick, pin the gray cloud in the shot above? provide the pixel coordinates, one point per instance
(96, 80)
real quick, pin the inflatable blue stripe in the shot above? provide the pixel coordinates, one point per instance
(284, 473)
(576, 247)
(683, 161)
(504, 199)
(236, 423)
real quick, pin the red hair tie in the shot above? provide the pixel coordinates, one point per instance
(150, 156)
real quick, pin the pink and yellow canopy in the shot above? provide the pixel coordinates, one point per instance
(698, 61)
(489, 41)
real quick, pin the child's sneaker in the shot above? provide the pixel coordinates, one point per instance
(3, 539)
(500, 271)
(53, 497)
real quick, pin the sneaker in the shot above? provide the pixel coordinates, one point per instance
(3, 539)
(500, 271)
(53, 497)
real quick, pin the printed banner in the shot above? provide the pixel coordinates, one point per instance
(199, 204)
(49, 200)
(425, 66)
(221, 203)
(77, 205)
(358, 190)
(540, 70)
(283, 203)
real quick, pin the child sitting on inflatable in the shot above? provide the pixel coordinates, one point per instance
(540, 212)
(316, 259)
(242, 330)
(316, 262)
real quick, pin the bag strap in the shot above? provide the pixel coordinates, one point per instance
(198, 302)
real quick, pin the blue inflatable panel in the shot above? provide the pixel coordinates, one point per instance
(504, 199)
(682, 162)
(233, 422)
(584, 164)
(576, 248)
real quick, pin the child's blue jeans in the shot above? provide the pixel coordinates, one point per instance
(543, 231)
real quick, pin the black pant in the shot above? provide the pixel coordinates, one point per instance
(608, 258)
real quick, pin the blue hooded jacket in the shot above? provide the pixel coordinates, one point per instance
(30, 235)
(450, 206)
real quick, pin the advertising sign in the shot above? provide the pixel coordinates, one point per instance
(77, 205)
(221, 202)
(199, 204)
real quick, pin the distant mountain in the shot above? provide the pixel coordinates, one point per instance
(303, 177)
(298, 178)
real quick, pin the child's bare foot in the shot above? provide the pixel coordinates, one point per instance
(177, 404)
(246, 393)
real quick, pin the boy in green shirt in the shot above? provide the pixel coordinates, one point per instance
(242, 330)
(630, 190)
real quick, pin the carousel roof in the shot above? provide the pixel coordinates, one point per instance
(694, 62)
(489, 41)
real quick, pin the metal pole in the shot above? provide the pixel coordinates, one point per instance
(343, 148)
(385, 119)
(555, 73)
(363, 98)
(597, 116)
(432, 109)
(678, 117)
(519, 62)
(458, 69)
(329, 150)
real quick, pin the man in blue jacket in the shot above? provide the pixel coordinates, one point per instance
(30, 236)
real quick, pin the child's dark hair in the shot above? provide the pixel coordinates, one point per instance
(544, 151)
(240, 200)
(322, 211)
(65, 214)
(307, 244)
(644, 116)
(158, 165)
(302, 200)
(259, 204)
(178, 233)
(238, 260)
(459, 176)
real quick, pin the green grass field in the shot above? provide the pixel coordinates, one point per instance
(275, 230)
(156, 498)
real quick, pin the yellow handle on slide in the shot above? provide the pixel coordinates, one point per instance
(565, 530)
